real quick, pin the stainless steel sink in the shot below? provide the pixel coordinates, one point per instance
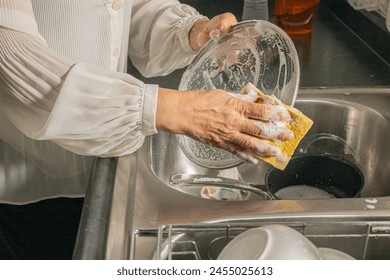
(356, 125)
(143, 209)
(354, 122)
(350, 123)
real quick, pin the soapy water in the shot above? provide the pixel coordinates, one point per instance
(303, 192)
(372, 201)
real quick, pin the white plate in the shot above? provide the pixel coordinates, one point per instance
(332, 254)
(270, 242)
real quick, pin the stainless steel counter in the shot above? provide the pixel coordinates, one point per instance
(104, 228)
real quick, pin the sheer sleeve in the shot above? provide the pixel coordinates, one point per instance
(159, 40)
(85, 109)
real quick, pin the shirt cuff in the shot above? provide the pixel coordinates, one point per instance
(149, 110)
(185, 30)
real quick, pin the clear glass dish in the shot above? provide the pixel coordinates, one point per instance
(254, 51)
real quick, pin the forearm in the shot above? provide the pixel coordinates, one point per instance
(167, 104)
(177, 111)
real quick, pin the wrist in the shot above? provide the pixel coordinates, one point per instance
(167, 110)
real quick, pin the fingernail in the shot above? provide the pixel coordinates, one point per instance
(286, 135)
(271, 151)
(215, 34)
(274, 151)
(253, 160)
(247, 157)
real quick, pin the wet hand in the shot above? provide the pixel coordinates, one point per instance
(205, 29)
(213, 117)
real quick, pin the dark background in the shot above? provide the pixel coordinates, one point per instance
(345, 49)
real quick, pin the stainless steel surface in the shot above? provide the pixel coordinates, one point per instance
(105, 221)
(361, 239)
(96, 207)
(120, 216)
(199, 180)
(343, 51)
(350, 123)
(352, 110)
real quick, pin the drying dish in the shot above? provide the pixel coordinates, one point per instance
(332, 254)
(276, 242)
(270, 242)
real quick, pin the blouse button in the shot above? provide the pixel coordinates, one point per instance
(115, 52)
(117, 5)
(182, 34)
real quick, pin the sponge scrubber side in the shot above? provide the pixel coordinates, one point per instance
(299, 125)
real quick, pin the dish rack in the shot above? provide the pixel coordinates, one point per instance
(360, 239)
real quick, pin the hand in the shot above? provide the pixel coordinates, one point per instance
(216, 118)
(205, 29)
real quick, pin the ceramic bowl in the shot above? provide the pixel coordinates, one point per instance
(270, 242)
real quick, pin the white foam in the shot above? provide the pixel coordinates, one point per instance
(207, 179)
(373, 200)
(302, 192)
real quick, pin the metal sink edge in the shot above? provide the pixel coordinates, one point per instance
(145, 202)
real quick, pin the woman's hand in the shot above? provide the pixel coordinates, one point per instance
(216, 118)
(204, 29)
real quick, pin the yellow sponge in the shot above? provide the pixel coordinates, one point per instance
(300, 125)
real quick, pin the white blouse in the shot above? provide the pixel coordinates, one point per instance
(60, 82)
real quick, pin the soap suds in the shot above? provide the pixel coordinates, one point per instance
(303, 192)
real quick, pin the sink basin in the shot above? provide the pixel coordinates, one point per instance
(351, 123)
(354, 123)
